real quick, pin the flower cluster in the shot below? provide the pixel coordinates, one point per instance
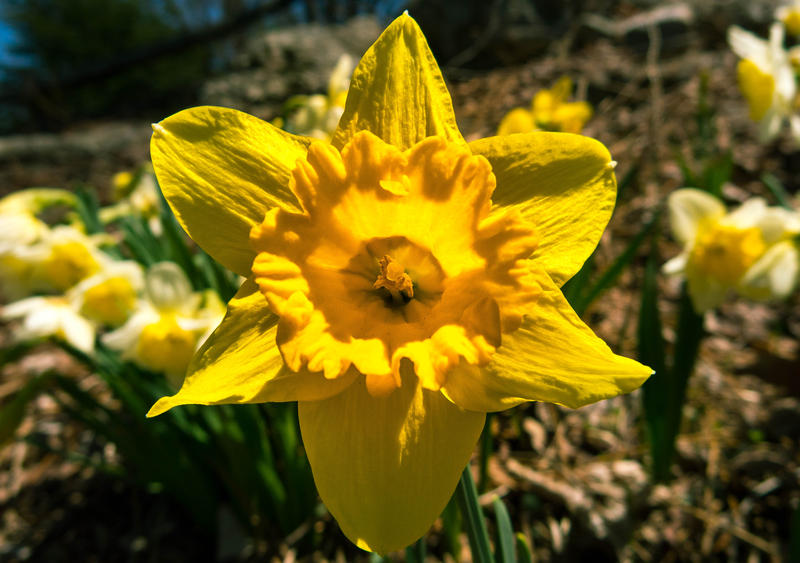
(549, 111)
(66, 284)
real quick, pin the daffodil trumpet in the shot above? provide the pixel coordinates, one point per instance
(400, 282)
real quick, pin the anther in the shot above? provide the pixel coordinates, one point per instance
(394, 279)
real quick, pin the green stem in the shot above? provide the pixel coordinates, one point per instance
(467, 498)
(687, 345)
(485, 452)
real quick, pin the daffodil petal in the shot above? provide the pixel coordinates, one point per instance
(552, 357)
(563, 183)
(397, 91)
(688, 208)
(775, 274)
(221, 170)
(386, 467)
(749, 46)
(240, 363)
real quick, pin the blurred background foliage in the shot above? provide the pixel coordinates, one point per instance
(70, 60)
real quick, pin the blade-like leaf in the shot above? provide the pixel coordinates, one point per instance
(505, 551)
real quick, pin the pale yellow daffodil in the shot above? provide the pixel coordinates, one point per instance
(110, 296)
(168, 325)
(767, 80)
(65, 257)
(550, 111)
(750, 250)
(21, 236)
(317, 115)
(18, 233)
(401, 282)
(789, 16)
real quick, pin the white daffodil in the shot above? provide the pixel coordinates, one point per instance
(51, 316)
(751, 249)
(110, 296)
(766, 79)
(173, 321)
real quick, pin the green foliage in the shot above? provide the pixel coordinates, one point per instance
(664, 394)
(709, 167)
(467, 498)
(505, 542)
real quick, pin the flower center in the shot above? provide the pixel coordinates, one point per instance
(68, 263)
(395, 280)
(395, 262)
(166, 347)
(109, 302)
(725, 252)
(756, 86)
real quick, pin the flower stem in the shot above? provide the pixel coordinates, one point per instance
(471, 511)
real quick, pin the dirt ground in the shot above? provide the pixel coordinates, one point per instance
(575, 482)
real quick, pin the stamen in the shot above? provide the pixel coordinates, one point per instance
(394, 278)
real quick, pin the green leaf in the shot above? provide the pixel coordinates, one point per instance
(776, 187)
(471, 511)
(524, 551)
(656, 390)
(664, 393)
(485, 445)
(451, 528)
(607, 278)
(416, 553)
(577, 284)
(505, 552)
(12, 413)
(88, 209)
(717, 171)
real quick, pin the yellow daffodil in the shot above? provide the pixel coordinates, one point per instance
(166, 329)
(550, 111)
(401, 282)
(767, 80)
(51, 316)
(317, 115)
(750, 250)
(789, 16)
